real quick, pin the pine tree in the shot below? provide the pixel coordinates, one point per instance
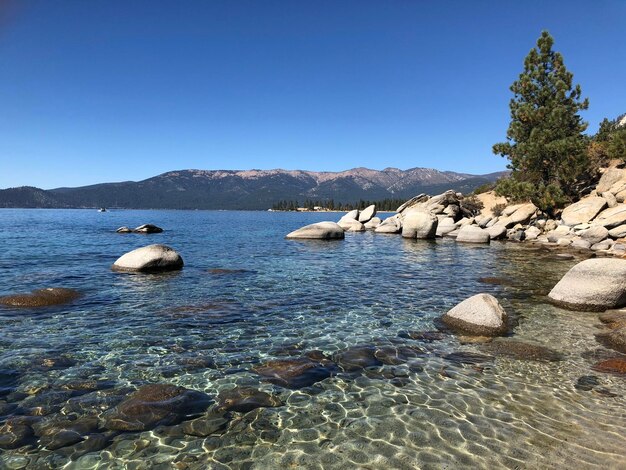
(545, 144)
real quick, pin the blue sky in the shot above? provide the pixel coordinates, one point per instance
(123, 90)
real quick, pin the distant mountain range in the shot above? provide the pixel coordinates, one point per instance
(251, 189)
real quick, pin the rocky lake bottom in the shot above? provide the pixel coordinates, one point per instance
(270, 353)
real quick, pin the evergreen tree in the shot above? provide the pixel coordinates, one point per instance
(545, 144)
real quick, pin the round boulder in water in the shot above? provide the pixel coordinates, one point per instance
(148, 228)
(593, 285)
(481, 315)
(473, 234)
(151, 258)
(319, 231)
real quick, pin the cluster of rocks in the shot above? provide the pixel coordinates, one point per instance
(145, 228)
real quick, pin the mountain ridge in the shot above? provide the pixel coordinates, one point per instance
(252, 189)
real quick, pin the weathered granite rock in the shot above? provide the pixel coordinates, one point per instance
(151, 258)
(614, 339)
(581, 244)
(603, 245)
(611, 218)
(480, 315)
(496, 232)
(419, 224)
(319, 231)
(618, 232)
(583, 211)
(148, 228)
(594, 234)
(522, 350)
(516, 235)
(354, 214)
(152, 405)
(41, 297)
(532, 233)
(350, 225)
(473, 234)
(611, 201)
(521, 215)
(421, 198)
(124, 229)
(367, 214)
(356, 358)
(445, 225)
(592, 285)
(610, 178)
(615, 365)
(373, 223)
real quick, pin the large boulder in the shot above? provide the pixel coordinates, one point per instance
(496, 232)
(473, 234)
(367, 214)
(151, 258)
(350, 225)
(521, 215)
(319, 231)
(583, 211)
(148, 228)
(592, 285)
(391, 224)
(419, 224)
(594, 234)
(372, 223)
(412, 202)
(610, 178)
(480, 315)
(612, 217)
(445, 226)
(618, 232)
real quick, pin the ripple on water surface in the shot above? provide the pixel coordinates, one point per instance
(393, 393)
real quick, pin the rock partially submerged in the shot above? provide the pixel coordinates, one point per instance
(473, 234)
(41, 298)
(593, 285)
(366, 214)
(480, 315)
(522, 350)
(145, 228)
(294, 373)
(151, 258)
(419, 224)
(319, 231)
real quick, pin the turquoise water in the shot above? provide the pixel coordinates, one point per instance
(282, 299)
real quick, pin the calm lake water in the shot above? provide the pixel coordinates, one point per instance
(207, 331)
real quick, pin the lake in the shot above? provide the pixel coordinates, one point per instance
(393, 391)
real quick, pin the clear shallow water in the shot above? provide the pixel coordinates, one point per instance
(207, 331)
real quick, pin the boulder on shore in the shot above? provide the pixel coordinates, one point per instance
(473, 234)
(611, 218)
(583, 211)
(319, 231)
(592, 285)
(480, 315)
(151, 258)
(419, 224)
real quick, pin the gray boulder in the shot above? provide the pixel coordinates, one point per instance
(532, 233)
(319, 231)
(610, 178)
(151, 258)
(603, 245)
(373, 223)
(592, 285)
(618, 232)
(419, 224)
(445, 226)
(481, 314)
(148, 228)
(349, 224)
(367, 214)
(583, 211)
(391, 224)
(473, 234)
(124, 230)
(581, 244)
(594, 234)
(521, 215)
(611, 218)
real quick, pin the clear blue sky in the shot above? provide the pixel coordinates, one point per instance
(111, 90)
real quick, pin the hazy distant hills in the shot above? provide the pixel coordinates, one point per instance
(251, 189)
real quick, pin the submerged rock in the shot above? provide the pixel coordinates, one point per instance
(294, 373)
(522, 350)
(205, 425)
(419, 224)
(480, 315)
(151, 258)
(586, 383)
(14, 434)
(41, 297)
(319, 231)
(244, 399)
(466, 357)
(594, 285)
(357, 358)
(614, 339)
(152, 405)
(612, 366)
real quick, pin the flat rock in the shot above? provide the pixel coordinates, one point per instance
(319, 231)
(611, 366)
(610, 178)
(445, 226)
(522, 350)
(594, 234)
(357, 358)
(618, 232)
(593, 285)
(41, 297)
(151, 258)
(205, 425)
(148, 228)
(496, 232)
(244, 399)
(295, 373)
(612, 217)
(614, 339)
(583, 211)
(521, 215)
(473, 234)
(480, 315)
